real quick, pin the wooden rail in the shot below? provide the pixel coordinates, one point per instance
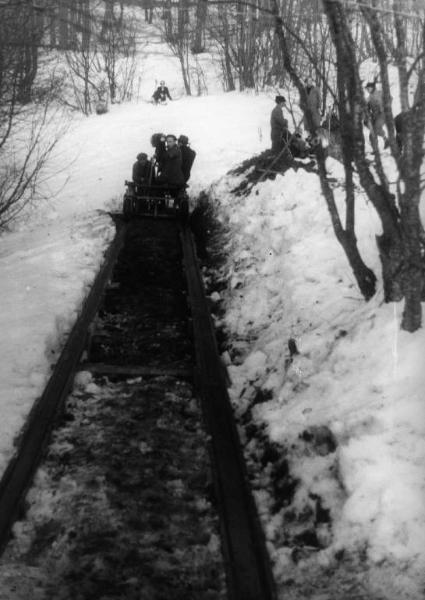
(248, 568)
(18, 476)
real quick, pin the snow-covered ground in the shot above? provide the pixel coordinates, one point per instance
(357, 373)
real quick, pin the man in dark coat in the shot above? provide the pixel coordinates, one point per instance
(375, 109)
(278, 126)
(399, 129)
(161, 93)
(298, 145)
(171, 170)
(403, 121)
(312, 108)
(188, 156)
(142, 170)
(158, 142)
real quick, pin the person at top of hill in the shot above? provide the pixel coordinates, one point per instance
(188, 156)
(279, 133)
(311, 108)
(161, 93)
(375, 110)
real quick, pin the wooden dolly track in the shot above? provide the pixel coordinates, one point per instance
(248, 570)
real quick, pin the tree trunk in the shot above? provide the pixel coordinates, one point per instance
(414, 275)
(391, 257)
(86, 25)
(229, 73)
(185, 76)
(248, 74)
(29, 72)
(53, 26)
(365, 277)
(63, 25)
(201, 17)
(148, 8)
(168, 19)
(227, 60)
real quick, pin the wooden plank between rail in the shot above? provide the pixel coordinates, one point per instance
(106, 370)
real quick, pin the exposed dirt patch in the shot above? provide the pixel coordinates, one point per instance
(267, 166)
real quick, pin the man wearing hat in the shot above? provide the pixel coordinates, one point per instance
(279, 126)
(188, 156)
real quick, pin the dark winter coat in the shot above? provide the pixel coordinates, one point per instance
(188, 157)
(312, 107)
(161, 94)
(298, 146)
(331, 122)
(171, 170)
(376, 112)
(158, 142)
(278, 128)
(399, 127)
(375, 105)
(141, 172)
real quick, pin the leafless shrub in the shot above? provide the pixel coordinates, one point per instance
(24, 157)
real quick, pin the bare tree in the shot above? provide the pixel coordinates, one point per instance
(25, 139)
(401, 242)
(148, 6)
(117, 49)
(102, 59)
(177, 33)
(345, 235)
(201, 15)
(23, 164)
(83, 67)
(220, 30)
(402, 253)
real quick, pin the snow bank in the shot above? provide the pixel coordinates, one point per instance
(357, 373)
(46, 273)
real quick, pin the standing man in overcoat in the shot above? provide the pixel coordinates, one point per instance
(312, 107)
(375, 109)
(278, 126)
